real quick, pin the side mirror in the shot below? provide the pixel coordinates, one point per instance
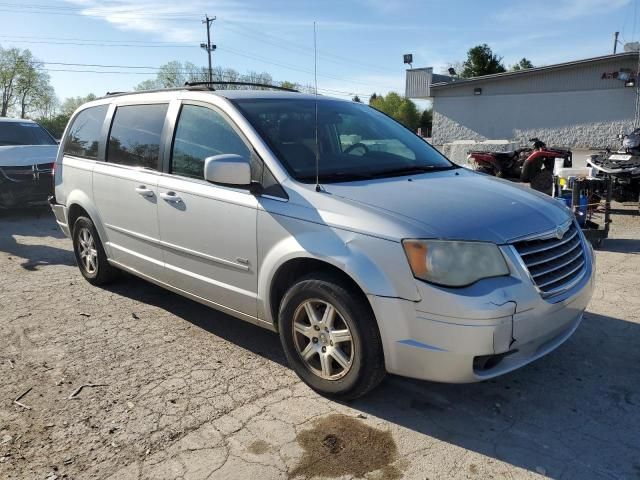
(228, 169)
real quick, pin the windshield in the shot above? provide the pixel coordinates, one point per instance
(354, 141)
(24, 133)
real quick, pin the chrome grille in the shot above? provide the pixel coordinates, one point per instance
(554, 263)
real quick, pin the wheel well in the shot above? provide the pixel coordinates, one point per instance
(75, 211)
(294, 269)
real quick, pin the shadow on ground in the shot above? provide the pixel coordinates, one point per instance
(33, 223)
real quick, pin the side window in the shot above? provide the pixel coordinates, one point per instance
(135, 135)
(201, 133)
(84, 135)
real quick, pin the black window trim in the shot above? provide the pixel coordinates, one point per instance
(168, 160)
(111, 115)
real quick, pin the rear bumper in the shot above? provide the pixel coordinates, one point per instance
(60, 212)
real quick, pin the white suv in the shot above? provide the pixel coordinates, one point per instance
(328, 222)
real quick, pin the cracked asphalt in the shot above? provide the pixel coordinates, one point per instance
(182, 391)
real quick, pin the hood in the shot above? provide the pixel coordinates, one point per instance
(26, 155)
(458, 205)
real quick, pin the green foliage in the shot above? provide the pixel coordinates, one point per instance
(400, 108)
(426, 121)
(356, 99)
(522, 65)
(290, 85)
(57, 123)
(481, 61)
(25, 87)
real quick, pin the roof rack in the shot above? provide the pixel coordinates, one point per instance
(247, 84)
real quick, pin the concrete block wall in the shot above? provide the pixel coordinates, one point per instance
(586, 119)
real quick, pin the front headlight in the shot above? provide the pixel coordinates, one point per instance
(454, 263)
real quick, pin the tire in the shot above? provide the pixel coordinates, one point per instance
(92, 262)
(351, 368)
(486, 170)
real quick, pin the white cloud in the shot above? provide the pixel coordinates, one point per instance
(558, 10)
(180, 23)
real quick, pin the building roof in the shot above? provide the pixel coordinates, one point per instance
(530, 71)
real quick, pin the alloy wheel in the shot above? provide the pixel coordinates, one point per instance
(87, 251)
(323, 339)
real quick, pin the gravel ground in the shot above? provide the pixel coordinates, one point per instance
(182, 391)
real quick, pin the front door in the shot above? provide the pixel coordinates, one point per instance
(125, 188)
(208, 231)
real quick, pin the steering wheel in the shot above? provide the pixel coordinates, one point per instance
(350, 148)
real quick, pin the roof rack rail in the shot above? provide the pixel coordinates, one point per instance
(154, 90)
(247, 84)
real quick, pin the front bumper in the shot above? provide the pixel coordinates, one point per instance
(480, 332)
(24, 186)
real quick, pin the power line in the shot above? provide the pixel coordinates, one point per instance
(103, 40)
(85, 44)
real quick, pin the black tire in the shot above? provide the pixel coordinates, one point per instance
(367, 368)
(486, 170)
(103, 272)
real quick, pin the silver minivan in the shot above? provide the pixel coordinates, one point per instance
(325, 221)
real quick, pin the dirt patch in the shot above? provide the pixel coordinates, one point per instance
(339, 445)
(259, 447)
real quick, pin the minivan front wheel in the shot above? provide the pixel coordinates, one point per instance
(330, 337)
(90, 255)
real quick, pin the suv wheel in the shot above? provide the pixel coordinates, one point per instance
(330, 337)
(90, 255)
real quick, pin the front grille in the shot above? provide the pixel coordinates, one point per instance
(554, 263)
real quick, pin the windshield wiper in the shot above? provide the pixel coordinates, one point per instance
(336, 177)
(408, 170)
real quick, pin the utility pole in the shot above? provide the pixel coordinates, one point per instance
(615, 42)
(208, 46)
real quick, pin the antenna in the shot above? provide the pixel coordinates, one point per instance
(315, 79)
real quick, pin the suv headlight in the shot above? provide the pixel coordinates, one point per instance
(454, 263)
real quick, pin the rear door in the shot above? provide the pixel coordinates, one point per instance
(208, 231)
(125, 187)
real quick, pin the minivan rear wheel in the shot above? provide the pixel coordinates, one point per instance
(330, 337)
(90, 255)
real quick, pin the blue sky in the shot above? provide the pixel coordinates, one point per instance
(360, 42)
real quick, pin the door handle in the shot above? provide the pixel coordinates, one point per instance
(144, 191)
(170, 197)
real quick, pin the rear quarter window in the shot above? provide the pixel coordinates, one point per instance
(83, 138)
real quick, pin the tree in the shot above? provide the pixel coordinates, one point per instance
(356, 99)
(426, 121)
(11, 64)
(522, 65)
(24, 85)
(176, 74)
(400, 108)
(57, 123)
(71, 104)
(481, 61)
(290, 85)
(372, 98)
